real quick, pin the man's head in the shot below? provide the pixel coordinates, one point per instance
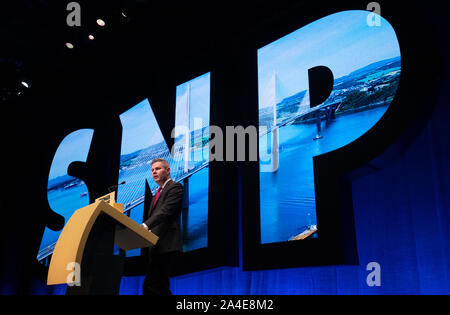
(160, 171)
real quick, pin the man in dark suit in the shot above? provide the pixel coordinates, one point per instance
(163, 219)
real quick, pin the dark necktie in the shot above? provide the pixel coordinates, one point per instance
(156, 197)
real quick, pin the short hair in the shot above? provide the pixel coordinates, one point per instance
(163, 162)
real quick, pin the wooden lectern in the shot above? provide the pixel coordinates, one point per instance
(83, 256)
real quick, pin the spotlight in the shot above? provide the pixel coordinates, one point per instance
(101, 22)
(124, 15)
(91, 37)
(25, 84)
(69, 45)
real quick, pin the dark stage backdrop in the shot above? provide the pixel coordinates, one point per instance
(402, 222)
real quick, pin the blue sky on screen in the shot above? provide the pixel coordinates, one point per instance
(139, 128)
(200, 101)
(74, 147)
(343, 42)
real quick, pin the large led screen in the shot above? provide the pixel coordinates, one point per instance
(365, 62)
(66, 194)
(191, 157)
(142, 141)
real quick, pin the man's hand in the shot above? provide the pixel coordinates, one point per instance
(146, 227)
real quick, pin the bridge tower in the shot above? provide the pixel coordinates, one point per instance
(275, 97)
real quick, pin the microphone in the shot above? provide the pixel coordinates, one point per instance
(110, 189)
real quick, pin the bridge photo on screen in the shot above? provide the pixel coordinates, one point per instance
(365, 62)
